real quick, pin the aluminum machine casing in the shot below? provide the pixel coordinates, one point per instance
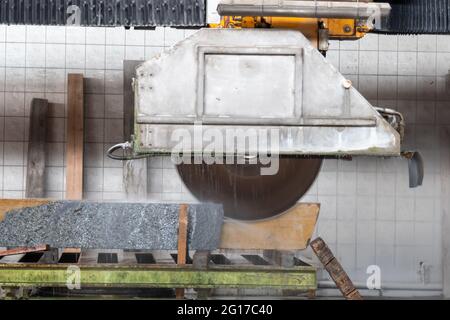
(248, 81)
(250, 78)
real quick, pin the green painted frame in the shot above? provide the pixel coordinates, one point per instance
(158, 276)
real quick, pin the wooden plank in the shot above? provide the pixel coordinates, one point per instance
(75, 136)
(88, 256)
(35, 180)
(182, 242)
(135, 171)
(162, 257)
(335, 270)
(71, 250)
(23, 250)
(127, 257)
(182, 234)
(290, 231)
(11, 204)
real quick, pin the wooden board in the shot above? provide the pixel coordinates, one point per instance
(75, 137)
(11, 204)
(182, 234)
(35, 180)
(72, 250)
(290, 231)
(335, 270)
(182, 243)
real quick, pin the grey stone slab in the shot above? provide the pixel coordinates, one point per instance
(96, 225)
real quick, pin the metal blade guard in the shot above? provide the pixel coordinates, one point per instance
(255, 79)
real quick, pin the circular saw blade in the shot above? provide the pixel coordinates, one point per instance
(246, 194)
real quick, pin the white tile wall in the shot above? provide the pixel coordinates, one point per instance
(34, 62)
(396, 227)
(368, 213)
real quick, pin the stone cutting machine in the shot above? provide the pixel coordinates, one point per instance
(259, 75)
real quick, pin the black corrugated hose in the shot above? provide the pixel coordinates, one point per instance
(417, 17)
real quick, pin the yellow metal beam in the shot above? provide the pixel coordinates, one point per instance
(345, 29)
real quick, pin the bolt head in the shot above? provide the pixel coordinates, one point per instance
(347, 84)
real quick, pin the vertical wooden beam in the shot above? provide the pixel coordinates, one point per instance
(182, 242)
(75, 137)
(335, 270)
(135, 171)
(182, 234)
(35, 185)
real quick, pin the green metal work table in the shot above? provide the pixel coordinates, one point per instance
(158, 276)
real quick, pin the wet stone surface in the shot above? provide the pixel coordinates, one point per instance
(65, 224)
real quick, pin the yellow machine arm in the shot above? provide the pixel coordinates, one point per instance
(317, 20)
(337, 28)
(314, 29)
